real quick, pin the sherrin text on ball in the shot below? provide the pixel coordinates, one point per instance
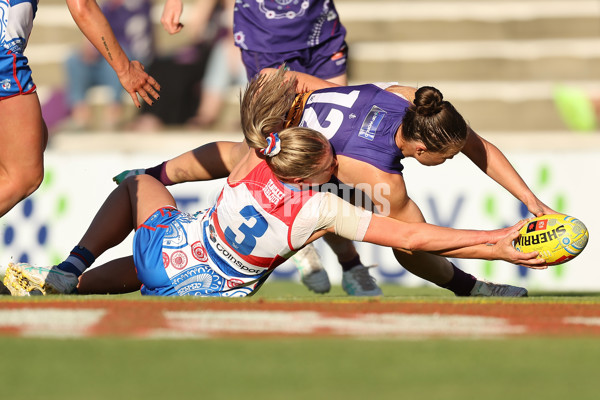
(558, 238)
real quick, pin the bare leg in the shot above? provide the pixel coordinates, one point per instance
(428, 266)
(127, 207)
(343, 248)
(23, 138)
(114, 277)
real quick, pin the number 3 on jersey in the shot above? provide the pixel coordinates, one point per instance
(248, 230)
(331, 105)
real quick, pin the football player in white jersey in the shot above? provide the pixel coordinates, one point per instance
(23, 133)
(266, 212)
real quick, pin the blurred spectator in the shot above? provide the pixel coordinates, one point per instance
(224, 69)
(86, 68)
(196, 78)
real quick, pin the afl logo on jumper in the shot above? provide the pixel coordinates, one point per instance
(371, 123)
(179, 259)
(199, 252)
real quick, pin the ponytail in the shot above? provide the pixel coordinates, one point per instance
(290, 153)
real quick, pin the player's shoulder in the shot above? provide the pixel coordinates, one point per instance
(406, 92)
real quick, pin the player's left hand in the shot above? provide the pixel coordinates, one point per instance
(538, 208)
(136, 81)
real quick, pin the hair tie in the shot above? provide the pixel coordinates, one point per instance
(273, 145)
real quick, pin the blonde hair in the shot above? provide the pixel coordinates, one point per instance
(263, 106)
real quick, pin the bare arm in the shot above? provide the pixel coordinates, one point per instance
(93, 24)
(211, 161)
(493, 162)
(306, 82)
(200, 15)
(170, 18)
(489, 245)
(408, 92)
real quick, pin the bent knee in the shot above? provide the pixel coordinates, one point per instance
(23, 183)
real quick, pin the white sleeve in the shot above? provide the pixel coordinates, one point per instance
(326, 210)
(385, 85)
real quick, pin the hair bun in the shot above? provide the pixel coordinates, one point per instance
(428, 101)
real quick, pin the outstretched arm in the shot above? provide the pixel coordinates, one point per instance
(93, 24)
(306, 82)
(493, 162)
(459, 243)
(355, 223)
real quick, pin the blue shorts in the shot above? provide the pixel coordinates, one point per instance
(326, 60)
(15, 75)
(148, 253)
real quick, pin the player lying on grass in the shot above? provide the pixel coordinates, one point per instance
(267, 210)
(371, 129)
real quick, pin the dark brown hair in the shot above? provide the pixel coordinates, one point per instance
(434, 121)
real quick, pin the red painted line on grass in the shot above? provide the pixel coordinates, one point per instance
(160, 318)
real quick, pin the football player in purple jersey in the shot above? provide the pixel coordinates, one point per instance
(392, 122)
(23, 132)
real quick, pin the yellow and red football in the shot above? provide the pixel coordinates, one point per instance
(559, 238)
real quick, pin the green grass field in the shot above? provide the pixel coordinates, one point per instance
(304, 368)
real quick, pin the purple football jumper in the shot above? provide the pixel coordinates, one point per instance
(360, 122)
(278, 26)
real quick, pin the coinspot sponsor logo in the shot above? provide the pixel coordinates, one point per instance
(234, 261)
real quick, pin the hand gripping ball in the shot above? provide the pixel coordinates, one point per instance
(559, 238)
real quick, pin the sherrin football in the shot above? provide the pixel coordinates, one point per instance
(559, 238)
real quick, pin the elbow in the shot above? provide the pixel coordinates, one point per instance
(79, 8)
(416, 243)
